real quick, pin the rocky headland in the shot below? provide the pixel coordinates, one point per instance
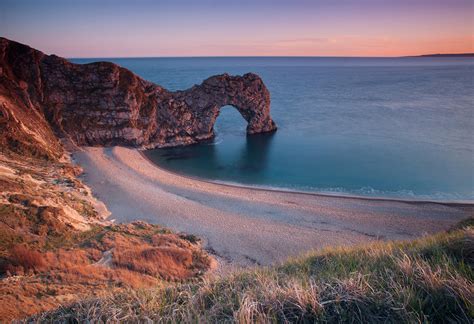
(104, 104)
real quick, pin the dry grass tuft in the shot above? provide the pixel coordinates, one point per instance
(163, 262)
(23, 260)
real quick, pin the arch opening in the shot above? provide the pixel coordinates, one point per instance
(229, 120)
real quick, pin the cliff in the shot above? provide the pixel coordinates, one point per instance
(104, 104)
(55, 244)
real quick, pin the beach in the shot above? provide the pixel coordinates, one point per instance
(245, 226)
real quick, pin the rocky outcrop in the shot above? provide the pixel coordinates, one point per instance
(104, 104)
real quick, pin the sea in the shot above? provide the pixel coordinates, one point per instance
(398, 128)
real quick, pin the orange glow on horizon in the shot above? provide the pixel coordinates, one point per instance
(335, 46)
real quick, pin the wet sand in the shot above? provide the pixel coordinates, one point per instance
(247, 226)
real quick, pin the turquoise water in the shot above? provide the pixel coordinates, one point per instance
(401, 128)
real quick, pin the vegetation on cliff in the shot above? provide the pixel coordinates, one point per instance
(427, 280)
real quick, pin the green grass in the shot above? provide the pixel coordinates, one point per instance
(429, 280)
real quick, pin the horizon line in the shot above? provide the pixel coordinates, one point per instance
(467, 54)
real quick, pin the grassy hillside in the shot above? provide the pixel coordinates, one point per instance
(427, 280)
(55, 247)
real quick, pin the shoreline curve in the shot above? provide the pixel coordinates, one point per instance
(251, 226)
(452, 203)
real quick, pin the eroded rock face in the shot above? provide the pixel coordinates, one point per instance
(105, 104)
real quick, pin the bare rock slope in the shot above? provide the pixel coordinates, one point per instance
(104, 104)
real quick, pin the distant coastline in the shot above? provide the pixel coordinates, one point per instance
(444, 55)
(85, 59)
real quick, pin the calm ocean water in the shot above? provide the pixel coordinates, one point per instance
(401, 128)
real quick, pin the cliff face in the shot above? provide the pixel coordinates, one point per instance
(23, 126)
(55, 245)
(104, 104)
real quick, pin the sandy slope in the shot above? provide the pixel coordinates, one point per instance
(251, 226)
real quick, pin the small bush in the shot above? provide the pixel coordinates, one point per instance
(22, 260)
(165, 262)
(193, 239)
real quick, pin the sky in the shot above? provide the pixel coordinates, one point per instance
(118, 28)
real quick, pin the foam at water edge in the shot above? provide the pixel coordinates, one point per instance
(367, 192)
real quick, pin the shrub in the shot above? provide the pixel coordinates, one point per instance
(22, 260)
(166, 262)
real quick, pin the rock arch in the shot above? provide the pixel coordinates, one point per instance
(247, 94)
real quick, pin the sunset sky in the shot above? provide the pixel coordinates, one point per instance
(117, 28)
